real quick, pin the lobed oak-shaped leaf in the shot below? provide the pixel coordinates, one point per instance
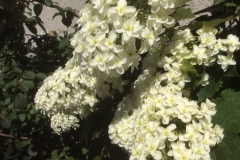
(228, 117)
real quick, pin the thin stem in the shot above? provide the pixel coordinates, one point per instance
(11, 136)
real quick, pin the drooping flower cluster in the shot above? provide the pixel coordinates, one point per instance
(72, 93)
(61, 122)
(95, 44)
(147, 124)
(63, 92)
(157, 119)
(109, 29)
(205, 50)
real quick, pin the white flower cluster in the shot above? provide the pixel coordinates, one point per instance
(65, 94)
(157, 120)
(71, 91)
(205, 49)
(109, 28)
(61, 122)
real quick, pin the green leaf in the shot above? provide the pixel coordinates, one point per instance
(67, 21)
(213, 156)
(183, 13)
(209, 90)
(28, 75)
(30, 152)
(194, 25)
(23, 86)
(97, 158)
(187, 66)
(26, 85)
(5, 68)
(68, 9)
(198, 82)
(11, 105)
(43, 28)
(61, 12)
(31, 21)
(231, 72)
(48, 2)
(70, 15)
(20, 100)
(66, 149)
(14, 63)
(22, 144)
(29, 116)
(221, 152)
(38, 19)
(54, 155)
(96, 135)
(62, 154)
(11, 84)
(70, 158)
(84, 151)
(32, 28)
(22, 117)
(217, 21)
(4, 111)
(229, 94)
(30, 105)
(230, 4)
(63, 43)
(38, 9)
(6, 123)
(40, 76)
(8, 100)
(13, 116)
(37, 118)
(228, 117)
(71, 34)
(55, 15)
(17, 70)
(33, 111)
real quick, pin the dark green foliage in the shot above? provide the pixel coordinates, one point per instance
(228, 116)
(25, 133)
(48, 2)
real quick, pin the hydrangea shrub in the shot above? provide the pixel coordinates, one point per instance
(159, 118)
